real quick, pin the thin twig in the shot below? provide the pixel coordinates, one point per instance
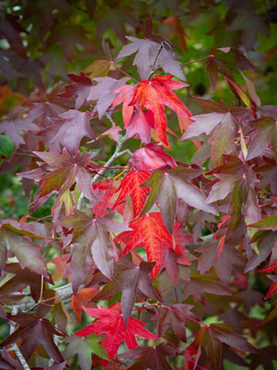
(123, 72)
(117, 154)
(197, 60)
(15, 348)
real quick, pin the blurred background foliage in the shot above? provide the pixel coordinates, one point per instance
(43, 40)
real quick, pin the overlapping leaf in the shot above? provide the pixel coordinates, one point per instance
(111, 323)
(211, 337)
(34, 331)
(132, 280)
(84, 347)
(63, 171)
(130, 185)
(91, 241)
(150, 357)
(27, 252)
(155, 95)
(149, 230)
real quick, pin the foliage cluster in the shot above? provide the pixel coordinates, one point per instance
(147, 235)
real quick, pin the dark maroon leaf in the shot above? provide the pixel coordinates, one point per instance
(150, 357)
(132, 280)
(34, 331)
(174, 317)
(91, 241)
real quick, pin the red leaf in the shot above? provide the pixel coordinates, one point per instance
(130, 185)
(151, 157)
(151, 231)
(111, 323)
(154, 95)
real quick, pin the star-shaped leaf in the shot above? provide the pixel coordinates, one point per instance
(34, 331)
(84, 347)
(174, 317)
(132, 280)
(130, 185)
(111, 323)
(27, 252)
(81, 299)
(149, 229)
(150, 357)
(155, 95)
(170, 185)
(211, 337)
(147, 50)
(91, 241)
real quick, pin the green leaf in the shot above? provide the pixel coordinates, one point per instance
(84, 347)
(6, 146)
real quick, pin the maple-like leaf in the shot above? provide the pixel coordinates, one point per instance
(84, 347)
(150, 357)
(222, 125)
(174, 317)
(80, 88)
(142, 123)
(198, 285)
(105, 93)
(34, 331)
(81, 299)
(125, 95)
(21, 279)
(273, 287)
(75, 127)
(27, 252)
(91, 242)
(148, 49)
(226, 61)
(150, 157)
(155, 95)
(14, 129)
(170, 185)
(149, 229)
(266, 134)
(210, 338)
(7, 362)
(222, 263)
(132, 280)
(265, 241)
(108, 189)
(111, 323)
(64, 171)
(130, 185)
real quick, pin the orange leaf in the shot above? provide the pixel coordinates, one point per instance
(80, 299)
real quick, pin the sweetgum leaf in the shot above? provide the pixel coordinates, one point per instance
(26, 251)
(125, 95)
(76, 126)
(150, 357)
(150, 230)
(211, 337)
(84, 347)
(148, 49)
(170, 185)
(65, 170)
(174, 317)
(198, 285)
(6, 146)
(34, 331)
(111, 322)
(81, 299)
(80, 89)
(150, 157)
(91, 241)
(132, 280)
(130, 185)
(155, 95)
(265, 360)
(226, 61)
(23, 277)
(266, 127)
